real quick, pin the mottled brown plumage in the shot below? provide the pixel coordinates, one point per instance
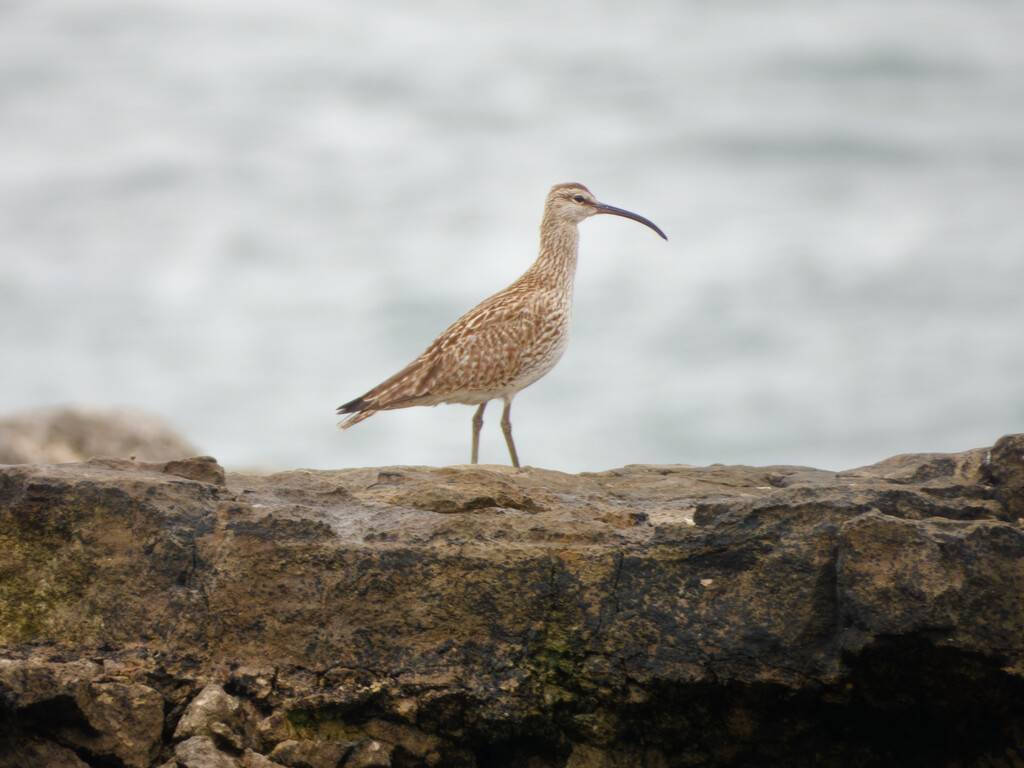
(506, 342)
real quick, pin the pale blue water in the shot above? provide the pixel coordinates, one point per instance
(240, 215)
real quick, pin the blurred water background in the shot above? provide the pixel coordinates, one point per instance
(240, 215)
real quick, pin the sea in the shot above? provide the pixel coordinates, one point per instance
(239, 215)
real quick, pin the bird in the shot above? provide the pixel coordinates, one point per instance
(506, 342)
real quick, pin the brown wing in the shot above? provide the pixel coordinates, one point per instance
(487, 348)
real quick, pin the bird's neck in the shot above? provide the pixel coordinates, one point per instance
(556, 262)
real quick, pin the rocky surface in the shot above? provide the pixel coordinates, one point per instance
(167, 614)
(51, 435)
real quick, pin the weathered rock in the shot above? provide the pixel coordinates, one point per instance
(52, 435)
(37, 753)
(215, 714)
(201, 752)
(79, 708)
(412, 741)
(250, 759)
(306, 753)
(274, 729)
(658, 616)
(1004, 469)
(123, 720)
(256, 683)
(28, 684)
(370, 753)
(586, 756)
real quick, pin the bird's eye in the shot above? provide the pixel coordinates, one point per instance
(579, 198)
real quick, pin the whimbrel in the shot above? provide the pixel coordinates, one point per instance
(506, 342)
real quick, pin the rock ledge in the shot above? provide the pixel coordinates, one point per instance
(167, 614)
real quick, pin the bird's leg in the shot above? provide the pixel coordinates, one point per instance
(506, 427)
(478, 423)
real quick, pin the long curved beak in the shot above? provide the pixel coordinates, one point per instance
(602, 208)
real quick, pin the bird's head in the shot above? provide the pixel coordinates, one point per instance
(574, 203)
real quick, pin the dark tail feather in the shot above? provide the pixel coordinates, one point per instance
(360, 408)
(389, 394)
(353, 406)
